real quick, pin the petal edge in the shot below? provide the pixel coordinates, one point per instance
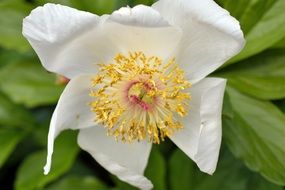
(126, 161)
(201, 139)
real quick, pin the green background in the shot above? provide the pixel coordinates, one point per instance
(253, 150)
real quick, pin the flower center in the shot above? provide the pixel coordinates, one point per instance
(138, 97)
(142, 94)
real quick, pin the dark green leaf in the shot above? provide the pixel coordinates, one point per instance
(9, 56)
(257, 183)
(120, 185)
(9, 138)
(281, 105)
(232, 175)
(268, 88)
(137, 2)
(256, 135)
(181, 171)
(78, 183)
(253, 13)
(228, 168)
(264, 24)
(11, 17)
(27, 82)
(61, 2)
(280, 44)
(30, 175)
(227, 107)
(98, 7)
(261, 76)
(236, 8)
(122, 3)
(14, 115)
(156, 170)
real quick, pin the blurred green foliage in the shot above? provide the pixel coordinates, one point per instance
(253, 149)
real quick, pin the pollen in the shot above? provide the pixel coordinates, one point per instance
(138, 97)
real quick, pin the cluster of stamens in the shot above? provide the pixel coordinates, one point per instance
(138, 97)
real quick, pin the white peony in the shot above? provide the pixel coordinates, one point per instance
(137, 76)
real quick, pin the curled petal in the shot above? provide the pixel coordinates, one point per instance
(201, 137)
(72, 112)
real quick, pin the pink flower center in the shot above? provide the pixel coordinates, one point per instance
(142, 94)
(137, 97)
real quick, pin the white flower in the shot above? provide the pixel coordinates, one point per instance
(139, 72)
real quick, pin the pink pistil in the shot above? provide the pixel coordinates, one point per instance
(137, 100)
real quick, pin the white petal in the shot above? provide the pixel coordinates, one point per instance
(67, 41)
(142, 29)
(210, 35)
(125, 160)
(201, 137)
(152, 41)
(139, 15)
(71, 112)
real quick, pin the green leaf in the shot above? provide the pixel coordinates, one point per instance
(248, 12)
(156, 169)
(9, 138)
(61, 2)
(120, 185)
(78, 183)
(137, 2)
(27, 82)
(227, 107)
(236, 8)
(30, 175)
(280, 44)
(228, 168)
(8, 56)
(257, 183)
(256, 135)
(261, 76)
(14, 115)
(98, 7)
(268, 88)
(253, 13)
(281, 105)
(181, 171)
(232, 175)
(11, 17)
(264, 29)
(122, 3)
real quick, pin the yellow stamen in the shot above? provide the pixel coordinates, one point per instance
(138, 97)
